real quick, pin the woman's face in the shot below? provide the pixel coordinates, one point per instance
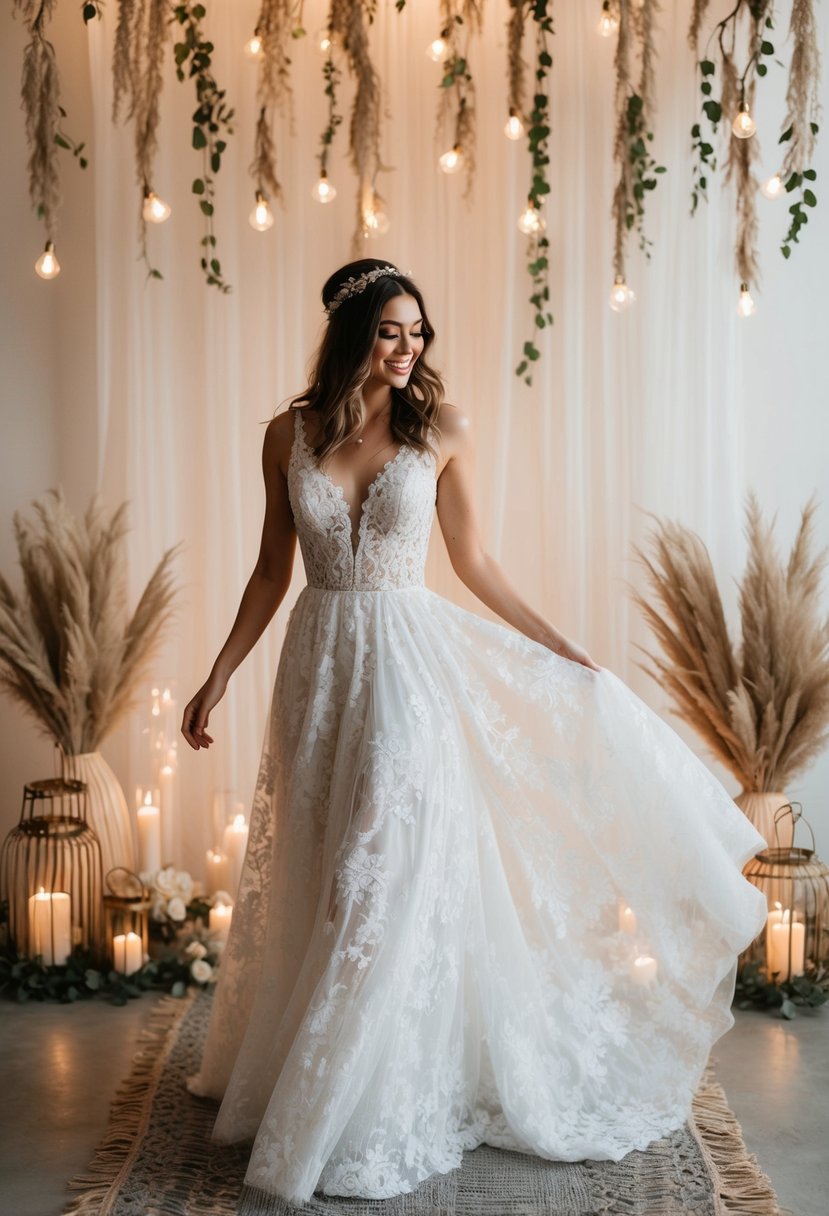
(399, 341)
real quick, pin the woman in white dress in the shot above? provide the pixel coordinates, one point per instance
(489, 895)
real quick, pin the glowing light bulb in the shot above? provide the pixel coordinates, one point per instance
(375, 222)
(608, 22)
(47, 265)
(744, 125)
(253, 46)
(745, 305)
(261, 218)
(438, 50)
(621, 296)
(773, 187)
(323, 192)
(452, 160)
(531, 221)
(154, 210)
(325, 42)
(514, 127)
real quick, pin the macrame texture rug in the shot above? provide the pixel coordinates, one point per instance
(157, 1159)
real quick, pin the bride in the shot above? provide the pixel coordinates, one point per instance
(489, 896)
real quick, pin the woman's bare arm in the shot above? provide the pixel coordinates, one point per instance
(266, 587)
(473, 565)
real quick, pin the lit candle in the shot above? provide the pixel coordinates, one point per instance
(50, 929)
(127, 953)
(221, 915)
(627, 919)
(235, 844)
(643, 970)
(217, 872)
(784, 933)
(149, 837)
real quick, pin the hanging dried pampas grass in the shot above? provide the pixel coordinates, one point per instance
(68, 651)
(41, 105)
(763, 711)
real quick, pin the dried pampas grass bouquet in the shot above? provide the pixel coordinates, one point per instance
(763, 707)
(70, 653)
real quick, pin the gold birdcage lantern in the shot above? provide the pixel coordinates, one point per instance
(127, 906)
(50, 874)
(795, 883)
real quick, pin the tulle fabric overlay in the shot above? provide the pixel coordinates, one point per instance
(426, 952)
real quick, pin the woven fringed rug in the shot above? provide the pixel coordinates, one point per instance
(157, 1159)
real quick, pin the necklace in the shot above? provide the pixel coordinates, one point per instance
(360, 440)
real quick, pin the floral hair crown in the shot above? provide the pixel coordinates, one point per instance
(353, 287)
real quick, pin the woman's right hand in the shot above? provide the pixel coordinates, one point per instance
(197, 712)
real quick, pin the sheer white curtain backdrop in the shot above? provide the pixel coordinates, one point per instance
(629, 413)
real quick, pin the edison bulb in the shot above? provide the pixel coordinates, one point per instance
(324, 41)
(323, 192)
(261, 218)
(514, 127)
(253, 46)
(744, 125)
(531, 221)
(608, 22)
(773, 187)
(47, 265)
(621, 296)
(745, 305)
(375, 222)
(452, 160)
(154, 210)
(438, 50)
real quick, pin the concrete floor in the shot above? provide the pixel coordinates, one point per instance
(61, 1064)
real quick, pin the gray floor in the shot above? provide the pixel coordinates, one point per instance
(60, 1066)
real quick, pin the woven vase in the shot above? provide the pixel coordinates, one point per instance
(107, 812)
(759, 807)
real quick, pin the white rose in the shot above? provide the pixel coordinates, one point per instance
(195, 950)
(165, 882)
(184, 885)
(176, 909)
(201, 971)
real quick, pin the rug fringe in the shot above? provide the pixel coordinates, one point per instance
(744, 1189)
(129, 1110)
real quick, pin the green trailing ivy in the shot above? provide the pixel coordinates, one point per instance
(211, 118)
(643, 169)
(705, 159)
(754, 991)
(808, 198)
(538, 134)
(332, 76)
(90, 10)
(82, 979)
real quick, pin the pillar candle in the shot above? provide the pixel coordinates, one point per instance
(644, 969)
(127, 953)
(235, 843)
(218, 877)
(627, 919)
(50, 927)
(221, 915)
(149, 838)
(778, 959)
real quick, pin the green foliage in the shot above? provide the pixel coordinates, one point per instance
(331, 74)
(90, 9)
(538, 134)
(808, 198)
(754, 991)
(644, 169)
(705, 161)
(66, 141)
(211, 118)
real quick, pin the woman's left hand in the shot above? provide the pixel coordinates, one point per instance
(571, 650)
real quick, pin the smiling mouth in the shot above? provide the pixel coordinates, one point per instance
(400, 367)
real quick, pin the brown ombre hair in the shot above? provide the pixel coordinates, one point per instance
(342, 365)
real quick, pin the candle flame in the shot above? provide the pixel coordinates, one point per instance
(239, 821)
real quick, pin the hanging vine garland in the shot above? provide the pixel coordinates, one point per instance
(279, 23)
(803, 109)
(456, 108)
(210, 118)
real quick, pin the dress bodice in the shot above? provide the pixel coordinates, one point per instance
(395, 520)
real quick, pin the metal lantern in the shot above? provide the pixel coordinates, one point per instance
(127, 906)
(795, 883)
(50, 873)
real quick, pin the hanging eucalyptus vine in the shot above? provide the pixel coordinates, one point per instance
(278, 24)
(211, 118)
(456, 108)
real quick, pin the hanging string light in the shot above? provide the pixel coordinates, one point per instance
(261, 218)
(325, 41)
(154, 210)
(452, 160)
(253, 46)
(745, 305)
(514, 127)
(743, 125)
(47, 265)
(773, 187)
(531, 221)
(608, 22)
(621, 296)
(438, 50)
(375, 221)
(323, 191)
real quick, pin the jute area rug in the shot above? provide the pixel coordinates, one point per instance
(156, 1158)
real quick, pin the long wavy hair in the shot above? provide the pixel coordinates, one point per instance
(342, 364)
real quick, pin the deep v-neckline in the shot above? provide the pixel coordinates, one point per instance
(339, 492)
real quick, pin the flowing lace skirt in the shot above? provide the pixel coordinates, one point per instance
(429, 949)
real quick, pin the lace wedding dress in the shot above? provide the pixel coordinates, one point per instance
(429, 949)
